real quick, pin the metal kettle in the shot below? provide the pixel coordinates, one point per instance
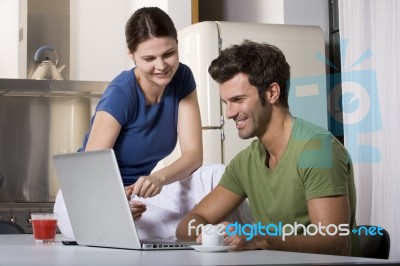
(47, 69)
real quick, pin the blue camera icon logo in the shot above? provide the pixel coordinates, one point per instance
(350, 94)
(354, 95)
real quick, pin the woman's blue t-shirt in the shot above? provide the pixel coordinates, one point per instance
(148, 133)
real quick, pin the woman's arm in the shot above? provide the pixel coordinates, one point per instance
(190, 140)
(104, 132)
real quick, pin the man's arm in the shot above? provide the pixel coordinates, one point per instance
(215, 207)
(326, 211)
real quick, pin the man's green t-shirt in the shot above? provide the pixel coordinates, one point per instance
(314, 165)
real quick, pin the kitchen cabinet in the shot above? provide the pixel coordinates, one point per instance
(13, 43)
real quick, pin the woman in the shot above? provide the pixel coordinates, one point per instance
(144, 110)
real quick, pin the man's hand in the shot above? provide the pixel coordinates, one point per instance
(238, 242)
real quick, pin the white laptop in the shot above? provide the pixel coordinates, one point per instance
(96, 202)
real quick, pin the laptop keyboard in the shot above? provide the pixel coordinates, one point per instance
(167, 245)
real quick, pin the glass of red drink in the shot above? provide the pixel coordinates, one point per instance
(44, 227)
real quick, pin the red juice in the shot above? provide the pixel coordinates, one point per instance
(44, 229)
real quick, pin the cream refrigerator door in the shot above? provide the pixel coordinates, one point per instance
(212, 146)
(308, 92)
(198, 46)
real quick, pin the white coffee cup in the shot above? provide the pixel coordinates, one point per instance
(212, 235)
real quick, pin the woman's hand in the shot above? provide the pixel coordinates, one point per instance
(137, 209)
(146, 186)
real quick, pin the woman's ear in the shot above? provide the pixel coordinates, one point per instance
(273, 92)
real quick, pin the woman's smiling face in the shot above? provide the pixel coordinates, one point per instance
(157, 60)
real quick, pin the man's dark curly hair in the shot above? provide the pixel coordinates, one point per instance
(263, 64)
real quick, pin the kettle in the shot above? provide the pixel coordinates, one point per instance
(47, 69)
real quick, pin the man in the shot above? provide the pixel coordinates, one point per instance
(297, 176)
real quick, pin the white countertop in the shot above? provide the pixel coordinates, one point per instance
(22, 250)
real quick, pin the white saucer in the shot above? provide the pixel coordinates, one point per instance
(201, 248)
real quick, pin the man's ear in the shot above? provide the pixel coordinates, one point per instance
(273, 93)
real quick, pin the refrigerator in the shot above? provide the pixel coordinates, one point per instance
(304, 48)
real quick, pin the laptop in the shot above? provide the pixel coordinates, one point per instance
(97, 205)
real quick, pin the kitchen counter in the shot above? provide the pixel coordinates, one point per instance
(22, 250)
(48, 88)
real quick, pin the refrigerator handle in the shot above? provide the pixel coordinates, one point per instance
(222, 120)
